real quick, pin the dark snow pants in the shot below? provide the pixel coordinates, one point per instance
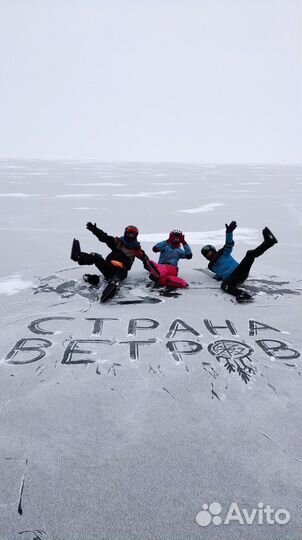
(241, 273)
(107, 268)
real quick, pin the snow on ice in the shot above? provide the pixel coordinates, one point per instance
(127, 416)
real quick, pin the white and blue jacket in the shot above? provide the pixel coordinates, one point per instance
(224, 264)
(171, 255)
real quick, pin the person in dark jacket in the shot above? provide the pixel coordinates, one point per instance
(118, 262)
(226, 268)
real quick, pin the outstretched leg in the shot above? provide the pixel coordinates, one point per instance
(83, 258)
(241, 273)
(268, 241)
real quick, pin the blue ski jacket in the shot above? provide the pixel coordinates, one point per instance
(224, 264)
(170, 255)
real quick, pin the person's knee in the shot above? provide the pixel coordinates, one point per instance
(85, 258)
(122, 275)
(96, 257)
(250, 254)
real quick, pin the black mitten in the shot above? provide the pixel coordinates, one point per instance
(91, 226)
(231, 227)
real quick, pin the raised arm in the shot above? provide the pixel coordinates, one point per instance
(229, 242)
(187, 252)
(101, 235)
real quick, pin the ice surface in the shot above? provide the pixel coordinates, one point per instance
(104, 444)
(14, 284)
(205, 208)
(145, 194)
(249, 236)
(85, 208)
(169, 183)
(79, 195)
(19, 195)
(94, 184)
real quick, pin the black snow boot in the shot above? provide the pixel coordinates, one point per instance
(269, 241)
(75, 250)
(269, 237)
(79, 256)
(92, 279)
(230, 288)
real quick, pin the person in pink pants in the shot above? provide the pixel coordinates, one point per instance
(170, 252)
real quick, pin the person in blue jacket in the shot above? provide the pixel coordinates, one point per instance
(226, 268)
(171, 250)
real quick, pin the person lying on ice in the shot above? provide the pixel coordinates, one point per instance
(170, 253)
(119, 261)
(227, 269)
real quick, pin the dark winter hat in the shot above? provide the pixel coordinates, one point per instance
(207, 249)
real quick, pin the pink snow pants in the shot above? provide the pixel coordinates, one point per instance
(168, 276)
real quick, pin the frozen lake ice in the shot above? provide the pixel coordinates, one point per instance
(121, 420)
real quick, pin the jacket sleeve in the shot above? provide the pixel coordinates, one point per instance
(104, 237)
(140, 254)
(160, 246)
(186, 252)
(229, 243)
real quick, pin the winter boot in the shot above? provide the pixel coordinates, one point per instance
(269, 241)
(79, 256)
(111, 289)
(75, 250)
(243, 296)
(92, 279)
(230, 289)
(269, 237)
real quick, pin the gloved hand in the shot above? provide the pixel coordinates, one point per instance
(182, 239)
(91, 226)
(231, 227)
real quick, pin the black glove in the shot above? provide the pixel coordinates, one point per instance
(91, 226)
(231, 227)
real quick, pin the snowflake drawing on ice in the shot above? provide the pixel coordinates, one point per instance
(233, 353)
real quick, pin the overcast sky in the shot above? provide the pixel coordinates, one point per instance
(151, 80)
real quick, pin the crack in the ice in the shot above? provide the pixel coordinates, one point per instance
(20, 510)
(112, 368)
(160, 371)
(213, 393)
(98, 372)
(166, 390)
(279, 446)
(4, 403)
(115, 390)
